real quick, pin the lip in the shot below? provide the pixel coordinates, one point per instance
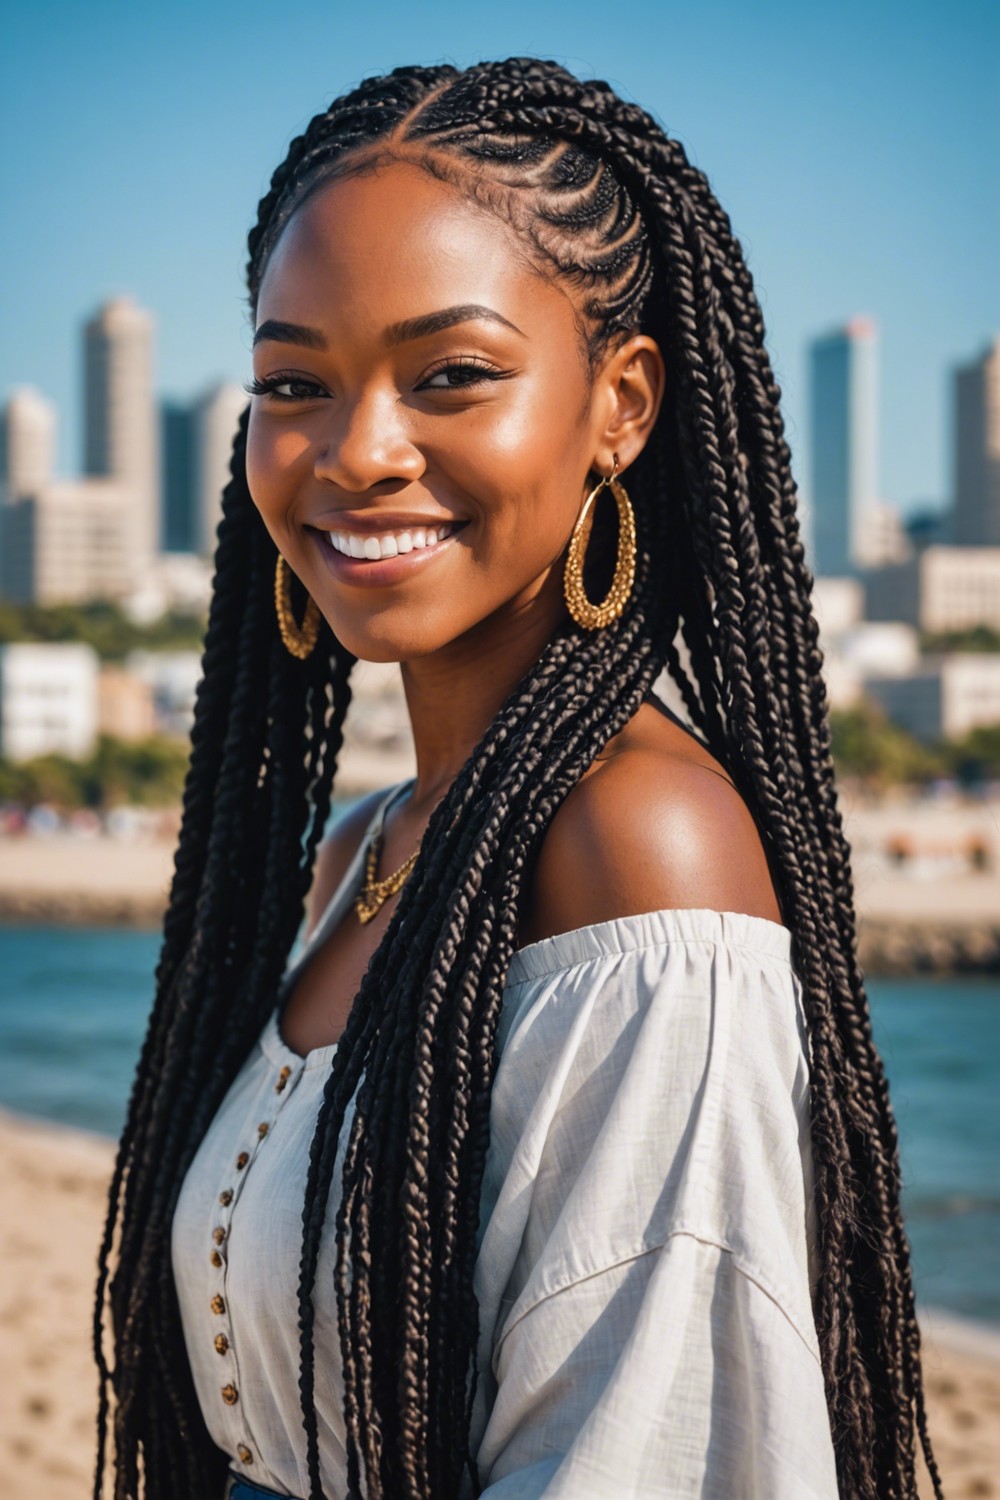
(386, 570)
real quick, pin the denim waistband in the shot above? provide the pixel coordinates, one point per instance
(240, 1488)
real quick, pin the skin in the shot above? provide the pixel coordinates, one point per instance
(368, 428)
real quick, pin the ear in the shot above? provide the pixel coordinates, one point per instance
(627, 393)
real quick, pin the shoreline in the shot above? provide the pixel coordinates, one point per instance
(53, 1183)
(905, 926)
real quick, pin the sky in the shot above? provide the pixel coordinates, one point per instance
(856, 149)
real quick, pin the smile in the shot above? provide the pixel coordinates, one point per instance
(389, 557)
(389, 543)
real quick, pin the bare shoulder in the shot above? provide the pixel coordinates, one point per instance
(651, 828)
(335, 853)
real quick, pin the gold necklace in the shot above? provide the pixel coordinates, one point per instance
(377, 892)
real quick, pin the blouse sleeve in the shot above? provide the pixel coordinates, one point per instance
(644, 1269)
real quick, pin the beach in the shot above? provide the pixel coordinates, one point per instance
(52, 1199)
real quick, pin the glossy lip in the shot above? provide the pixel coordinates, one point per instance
(387, 570)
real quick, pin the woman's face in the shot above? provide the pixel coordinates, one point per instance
(420, 374)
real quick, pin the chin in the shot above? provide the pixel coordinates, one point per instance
(386, 646)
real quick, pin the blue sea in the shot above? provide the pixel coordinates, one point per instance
(73, 1006)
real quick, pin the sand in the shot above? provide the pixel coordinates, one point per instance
(52, 1195)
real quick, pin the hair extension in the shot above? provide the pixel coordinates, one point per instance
(604, 200)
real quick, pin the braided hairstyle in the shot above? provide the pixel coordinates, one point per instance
(721, 600)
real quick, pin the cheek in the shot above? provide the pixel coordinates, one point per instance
(521, 462)
(276, 459)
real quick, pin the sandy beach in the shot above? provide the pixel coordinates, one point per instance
(52, 1194)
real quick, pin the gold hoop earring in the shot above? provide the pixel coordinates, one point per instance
(299, 640)
(596, 616)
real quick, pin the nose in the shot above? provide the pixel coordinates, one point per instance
(366, 443)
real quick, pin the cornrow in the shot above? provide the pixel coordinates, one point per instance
(605, 201)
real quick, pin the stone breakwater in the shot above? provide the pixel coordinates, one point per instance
(888, 945)
(925, 906)
(894, 947)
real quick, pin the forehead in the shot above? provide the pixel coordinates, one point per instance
(377, 248)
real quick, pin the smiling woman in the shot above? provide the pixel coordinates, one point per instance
(560, 1161)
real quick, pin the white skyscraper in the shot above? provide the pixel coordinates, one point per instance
(121, 418)
(977, 450)
(217, 415)
(27, 444)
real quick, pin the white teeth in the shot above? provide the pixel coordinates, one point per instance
(387, 543)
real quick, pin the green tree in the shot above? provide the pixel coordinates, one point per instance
(102, 624)
(976, 638)
(149, 773)
(866, 745)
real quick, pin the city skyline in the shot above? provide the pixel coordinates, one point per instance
(856, 155)
(846, 520)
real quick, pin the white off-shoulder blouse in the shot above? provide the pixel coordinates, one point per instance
(646, 1230)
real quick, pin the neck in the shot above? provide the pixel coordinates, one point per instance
(453, 695)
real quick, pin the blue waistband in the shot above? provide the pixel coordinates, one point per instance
(240, 1488)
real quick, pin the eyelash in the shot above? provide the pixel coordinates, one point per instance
(269, 386)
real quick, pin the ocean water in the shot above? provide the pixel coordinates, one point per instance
(73, 1006)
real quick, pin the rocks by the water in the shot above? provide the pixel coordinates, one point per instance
(894, 947)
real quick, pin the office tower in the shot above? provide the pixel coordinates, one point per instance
(217, 416)
(67, 543)
(27, 444)
(976, 516)
(121, 428)
(178, 446)
(842, 369)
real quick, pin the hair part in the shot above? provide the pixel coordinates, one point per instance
(595, 187)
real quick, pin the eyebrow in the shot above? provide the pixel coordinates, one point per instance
(446, 317)
(288, 333)
(396, 333)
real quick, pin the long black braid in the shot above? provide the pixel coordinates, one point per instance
(722, 600)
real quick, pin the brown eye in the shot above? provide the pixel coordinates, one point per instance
(467, 372)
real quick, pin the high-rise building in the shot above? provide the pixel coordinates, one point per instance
(180, 488)
(217, 415)
(27, 444)
(844, 458)
(67, 543)
(976, 517)
(121, 427)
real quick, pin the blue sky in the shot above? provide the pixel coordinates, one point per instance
(856, 148)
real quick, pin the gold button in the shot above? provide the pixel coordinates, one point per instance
(216, 1259)
(218, 1305)
(226, 1197)
(218, 1235)
(230, 1395)
(246, 1457)
(221, 1344)
(283, 1078)
(262, 1129)
(242, 1160)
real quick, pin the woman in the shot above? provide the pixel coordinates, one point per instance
(565, 1165)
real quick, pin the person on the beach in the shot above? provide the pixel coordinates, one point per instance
(559, 1163)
